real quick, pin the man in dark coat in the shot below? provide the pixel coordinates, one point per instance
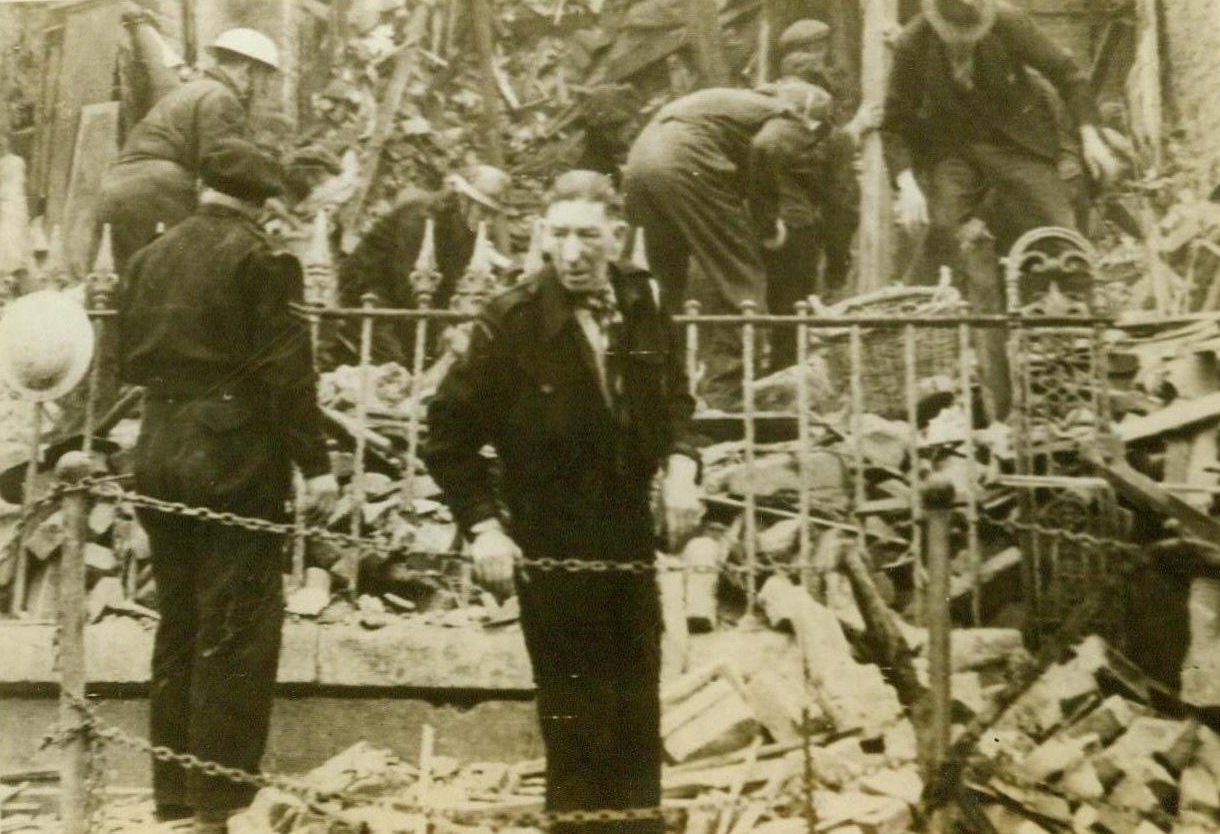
(383, 261)
(707, 178)
(575, 377)
(154, 179)
(963, 114)
(230, 406)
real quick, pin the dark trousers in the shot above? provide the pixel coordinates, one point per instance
(1033, 195)
(594, 642)
(792, 276)
(136, 196)
(219, 590)
(689, 200)
(217, 646)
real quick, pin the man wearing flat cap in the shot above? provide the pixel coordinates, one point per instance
(230, 407)
(964, 115)
(383, 261)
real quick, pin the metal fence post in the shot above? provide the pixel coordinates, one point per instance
(937, 497)
(74, 770)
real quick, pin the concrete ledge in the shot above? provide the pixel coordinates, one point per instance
(405, 654)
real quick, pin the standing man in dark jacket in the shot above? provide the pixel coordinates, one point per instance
(575, 376)
(707, 178)
(230, 406)
(384, 259)
(963, 114)
(155, 178)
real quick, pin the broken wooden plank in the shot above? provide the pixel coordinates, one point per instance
(1174, 417)
(1142, 490)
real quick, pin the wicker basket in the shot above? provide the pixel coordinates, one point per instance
(883, 349)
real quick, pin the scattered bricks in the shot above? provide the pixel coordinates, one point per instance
(839, 764)
(101, 517)
(1108, 721)
(1007, 821)
(1005, 745)
(1207, 750)
(1112, 820)
(1054, 756)
(714, 720)
(968, 698)
(775, 601)
(46, 538)
(701, 558)
(1182, 751)
(975, 648)
(1053, 697)
(271, 810)
(675, 638)
(901, 743)
(1149, 738)
(1198, 793)
(100, 559)
(779, 541)
(781, 705)
(1131, 792)
(905, 784)
(106, 592)
(1081, 781)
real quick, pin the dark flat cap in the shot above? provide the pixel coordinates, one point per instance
(238, 168)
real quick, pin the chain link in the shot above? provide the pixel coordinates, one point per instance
(1070, 536)
(101, 732)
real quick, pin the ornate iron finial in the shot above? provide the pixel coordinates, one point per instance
(1051, 264)
(425, 277)
(479, 279)
(102, 279)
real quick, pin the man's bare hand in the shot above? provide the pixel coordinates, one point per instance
(321, 493)
(495, 556)
(867, 119)
(1103, 164)
(780, 237)
(912, 204)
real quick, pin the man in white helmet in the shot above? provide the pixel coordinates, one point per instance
(154, 180)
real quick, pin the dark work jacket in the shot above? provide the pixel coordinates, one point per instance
(773, 153)
(185, 124)
(929, 116)
(204, 314)
(385, 257)
(576, 474)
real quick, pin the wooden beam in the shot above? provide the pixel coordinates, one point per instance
(1178, 415)
(703, 33)
(1141, 490)
(876, 209)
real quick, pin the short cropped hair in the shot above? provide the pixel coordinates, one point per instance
(585, 185)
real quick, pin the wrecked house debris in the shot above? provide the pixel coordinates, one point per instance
(957, 568)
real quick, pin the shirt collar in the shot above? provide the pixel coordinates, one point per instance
(630, 284)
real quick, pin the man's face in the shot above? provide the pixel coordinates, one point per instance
(580, 238)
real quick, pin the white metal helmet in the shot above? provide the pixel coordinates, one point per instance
(248, 43)
(46, 343)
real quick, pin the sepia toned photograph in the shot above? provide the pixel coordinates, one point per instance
(609, 416)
